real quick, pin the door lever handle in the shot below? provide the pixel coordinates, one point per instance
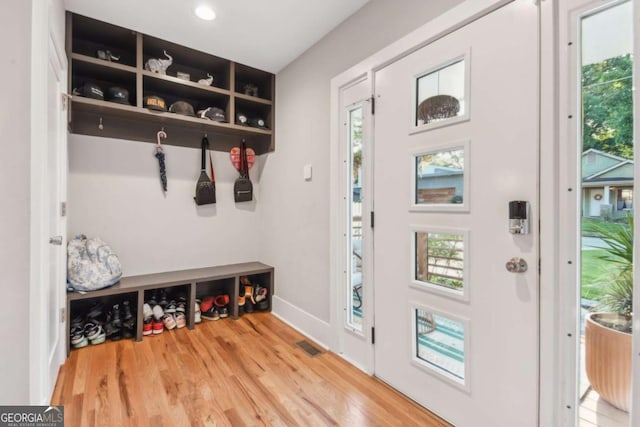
(516, 265)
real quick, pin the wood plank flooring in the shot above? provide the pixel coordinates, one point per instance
(247, 372)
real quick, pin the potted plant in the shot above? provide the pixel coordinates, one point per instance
(608, 331)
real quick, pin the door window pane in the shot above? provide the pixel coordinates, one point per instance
(439, 259)
(354, 296)
(441, 94)
(440, 344)
(439, 177)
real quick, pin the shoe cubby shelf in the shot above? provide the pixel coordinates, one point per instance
(236, 89)
(196, 282)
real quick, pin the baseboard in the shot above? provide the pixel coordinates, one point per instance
(307, 324)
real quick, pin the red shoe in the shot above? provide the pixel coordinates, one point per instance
(147, 327)
(157, 327)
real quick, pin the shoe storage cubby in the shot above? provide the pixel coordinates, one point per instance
(108, 56)
(191, 284)
(113, 315)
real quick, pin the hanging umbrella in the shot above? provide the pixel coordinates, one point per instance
(159, 154)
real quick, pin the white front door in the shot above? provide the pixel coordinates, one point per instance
(456, 139)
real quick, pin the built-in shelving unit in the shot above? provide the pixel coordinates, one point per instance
(86, 36)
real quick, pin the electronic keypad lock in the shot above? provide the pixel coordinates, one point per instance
(519, 217)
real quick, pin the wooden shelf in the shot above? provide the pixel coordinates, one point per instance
(140, 124)
(85, 36)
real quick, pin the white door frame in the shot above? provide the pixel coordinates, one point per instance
(567, 190)
(551, 375)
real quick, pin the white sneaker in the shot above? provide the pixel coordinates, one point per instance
(158, 312)
(146, 311)
(197, 318)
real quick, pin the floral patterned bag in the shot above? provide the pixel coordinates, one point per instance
(91, 264)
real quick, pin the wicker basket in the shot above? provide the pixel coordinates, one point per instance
(438, 107)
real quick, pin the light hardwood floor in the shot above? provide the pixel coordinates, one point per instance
(247, 372)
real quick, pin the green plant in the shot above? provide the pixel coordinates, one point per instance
(617, 292)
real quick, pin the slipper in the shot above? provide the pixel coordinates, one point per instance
(181, 320)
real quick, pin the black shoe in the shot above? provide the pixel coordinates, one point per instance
(248, 306)
(95, 312)
(162, 302)
(126, 306)
(153, 299)
(116, 316)
(127, 333)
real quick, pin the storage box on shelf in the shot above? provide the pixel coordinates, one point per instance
(108, 55)
(191, 283)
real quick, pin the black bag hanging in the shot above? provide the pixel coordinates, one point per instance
(205, 188)
(243, 188)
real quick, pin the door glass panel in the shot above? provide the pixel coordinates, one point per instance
(355, 300)
(606, 199)
(440, 94)
(439, 260)
(440, 344)
(439, 177)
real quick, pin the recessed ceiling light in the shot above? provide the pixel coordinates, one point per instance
(205, 12)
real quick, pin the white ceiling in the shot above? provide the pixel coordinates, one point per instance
(265, 34)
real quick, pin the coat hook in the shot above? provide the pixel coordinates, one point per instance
(100, 125)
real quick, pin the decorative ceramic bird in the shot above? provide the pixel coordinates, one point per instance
(208, 81)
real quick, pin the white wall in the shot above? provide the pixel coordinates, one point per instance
(115, 193)
(15, 26)
(295, 218)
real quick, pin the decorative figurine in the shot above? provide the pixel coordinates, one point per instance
(159, 65)
(208, 81)
(251, 90)
(106, 55)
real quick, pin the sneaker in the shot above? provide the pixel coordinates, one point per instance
(116, 316)
(100, 338)
(158, 312)
(181, 320)
(126, 308)
(181, 306)
(82, 343)
(92, 330)
(171, 307)
(197, 318)
(163, 298)
(248, 306)
(224, 312)
(207, 303)
(147, 326)
(77, 335)
(211, 314)
(153, 298)
(157, 326)
(147, 312)
(169, 321)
